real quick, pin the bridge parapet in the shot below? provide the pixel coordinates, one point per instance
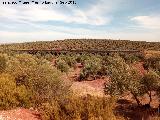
(35, 51)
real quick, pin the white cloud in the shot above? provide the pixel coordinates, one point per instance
(29, 23)
(64, 33)
(96, 13)
(84, 17)
(11, 37)
(152, 22)
(32, 13)
(40, 13)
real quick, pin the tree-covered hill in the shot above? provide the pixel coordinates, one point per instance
(86, 44)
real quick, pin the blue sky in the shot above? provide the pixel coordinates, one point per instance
(107, 19)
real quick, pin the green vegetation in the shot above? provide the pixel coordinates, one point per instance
(153, 63)
(36, 80)
(92, 66)
(78, 108)
(2, 63)
(87, 44)
(28, 81)
(125, 78)
(12, 95)
(150, 82)
(62, 65)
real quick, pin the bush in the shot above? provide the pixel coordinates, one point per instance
(152, 63)
(70, 60)
(12, 95)
(79, 108)
(91, 68)
(82, 58)
(131, 59)
(39, 77)
(62, 65)
(150, 82)
(2, 63)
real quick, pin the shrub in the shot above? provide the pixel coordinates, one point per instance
(70, 60)
(91, 68)
(79, 108)
(131, 58)
(12, 95)
(39, 77)
(150, 82)
(82, 58)
(49, 57)
(62, 65)
(152, 63)
(2, 63)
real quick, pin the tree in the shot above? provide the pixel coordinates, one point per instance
(153, 63)
(92, 66)
(123, 78)
(62, 65)
(69, 59)
(150, 83)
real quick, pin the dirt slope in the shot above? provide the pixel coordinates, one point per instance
(19, 114)
(94, 87)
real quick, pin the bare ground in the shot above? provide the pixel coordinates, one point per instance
(93, 87)
(19, 114)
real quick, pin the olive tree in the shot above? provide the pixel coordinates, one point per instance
(62, 65)
(123, 78)
(126, 78)
(91, 68)
(150, 83)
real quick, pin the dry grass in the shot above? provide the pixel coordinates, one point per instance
(79, 108)
(151, 53)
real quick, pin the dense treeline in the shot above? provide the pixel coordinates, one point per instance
(85, 44)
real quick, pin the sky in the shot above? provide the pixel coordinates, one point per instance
(137, 20)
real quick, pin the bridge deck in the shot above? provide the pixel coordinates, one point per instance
(78, 51)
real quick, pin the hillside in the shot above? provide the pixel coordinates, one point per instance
(85, 86)
(86, 44)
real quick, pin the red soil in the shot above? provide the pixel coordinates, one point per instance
(19, 114)
(98, 83)
(140, 68)
(94, 87)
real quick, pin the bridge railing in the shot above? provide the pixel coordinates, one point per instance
(76, 51)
